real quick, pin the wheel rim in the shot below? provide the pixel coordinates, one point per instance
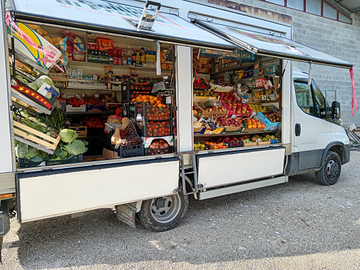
(165, 209)
(332, 169)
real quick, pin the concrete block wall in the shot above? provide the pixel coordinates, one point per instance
(334, 38)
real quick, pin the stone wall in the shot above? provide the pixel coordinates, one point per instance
(334, 38)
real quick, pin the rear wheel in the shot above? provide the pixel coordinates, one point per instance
(330, 171)
(163, 213)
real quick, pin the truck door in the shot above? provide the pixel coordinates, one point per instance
(311, 133)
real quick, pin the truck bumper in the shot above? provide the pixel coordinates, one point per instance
(4, 218)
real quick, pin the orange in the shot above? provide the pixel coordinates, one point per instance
(250, 126)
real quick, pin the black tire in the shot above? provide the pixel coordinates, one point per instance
(164, 213)
(330, 170)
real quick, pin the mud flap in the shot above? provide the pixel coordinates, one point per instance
(126, 213)
(4, 223)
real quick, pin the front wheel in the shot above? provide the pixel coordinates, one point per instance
(330, 170)
(163, 213)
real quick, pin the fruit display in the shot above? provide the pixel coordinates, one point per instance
(234, 105)
(239, 109)
(158, 113)
(210, 108)
(230, 124)
(272, 116)
(74, 102)
(258, 108)
(158, 147)
(210, 145)
(156, 129)
(200, 84)
(150, 100)
(205, 93)
(253, 123)
(229, 97)
(212, 127)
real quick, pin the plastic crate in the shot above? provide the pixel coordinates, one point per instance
(158, 113)
(131, 150)
(156, 130)
(153, 113)
(235, 144)
(131, 90)
(92, 108)
(27, 163)
(73, 159)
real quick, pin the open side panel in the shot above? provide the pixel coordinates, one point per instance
(48, 194)
(240, 166)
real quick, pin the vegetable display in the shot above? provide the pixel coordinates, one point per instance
(75, 102)
(68, 135)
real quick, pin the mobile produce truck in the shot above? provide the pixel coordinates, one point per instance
(210, 105)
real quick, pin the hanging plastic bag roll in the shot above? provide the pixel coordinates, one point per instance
(158, 64)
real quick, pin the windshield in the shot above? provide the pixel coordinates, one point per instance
(310, 98)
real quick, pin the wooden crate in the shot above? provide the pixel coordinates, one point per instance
(35, 136)
(80, 130)
(263, 143)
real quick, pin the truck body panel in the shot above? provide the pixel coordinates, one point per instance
(70, 191)
(233, 167)
(43, 192)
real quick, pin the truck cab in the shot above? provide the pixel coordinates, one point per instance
(320, 142)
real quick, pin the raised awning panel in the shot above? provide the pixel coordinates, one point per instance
(269, 45)
(115, 18)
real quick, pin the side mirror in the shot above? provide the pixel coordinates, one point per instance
(335, 110)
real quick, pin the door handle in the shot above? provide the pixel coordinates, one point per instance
(297, 129)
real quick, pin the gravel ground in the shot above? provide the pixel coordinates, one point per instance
(297, 225)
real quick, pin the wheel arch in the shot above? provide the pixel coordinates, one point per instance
(337, 147)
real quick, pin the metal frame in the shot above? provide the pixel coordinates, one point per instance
(242, 187)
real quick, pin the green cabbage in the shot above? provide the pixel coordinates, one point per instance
(32, 152)
(21, 149)
(77, 147)
(68, 135)
(60, 153)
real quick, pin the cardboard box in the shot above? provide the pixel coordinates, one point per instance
(108, 154)
(148, 140)
(268, 124)
(70, 108)
(23, 47)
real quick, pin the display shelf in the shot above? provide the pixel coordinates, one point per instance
(23, 74)
(31, 62)
(269, 101)
(95, 81)
(116, 66)
(100, 112)
(234, 133)
(40, 109)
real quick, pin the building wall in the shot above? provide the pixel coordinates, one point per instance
(334, 38)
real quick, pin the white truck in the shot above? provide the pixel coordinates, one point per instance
(311, 136)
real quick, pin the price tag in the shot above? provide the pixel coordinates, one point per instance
(168, 100)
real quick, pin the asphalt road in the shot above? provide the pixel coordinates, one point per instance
(297, 225)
